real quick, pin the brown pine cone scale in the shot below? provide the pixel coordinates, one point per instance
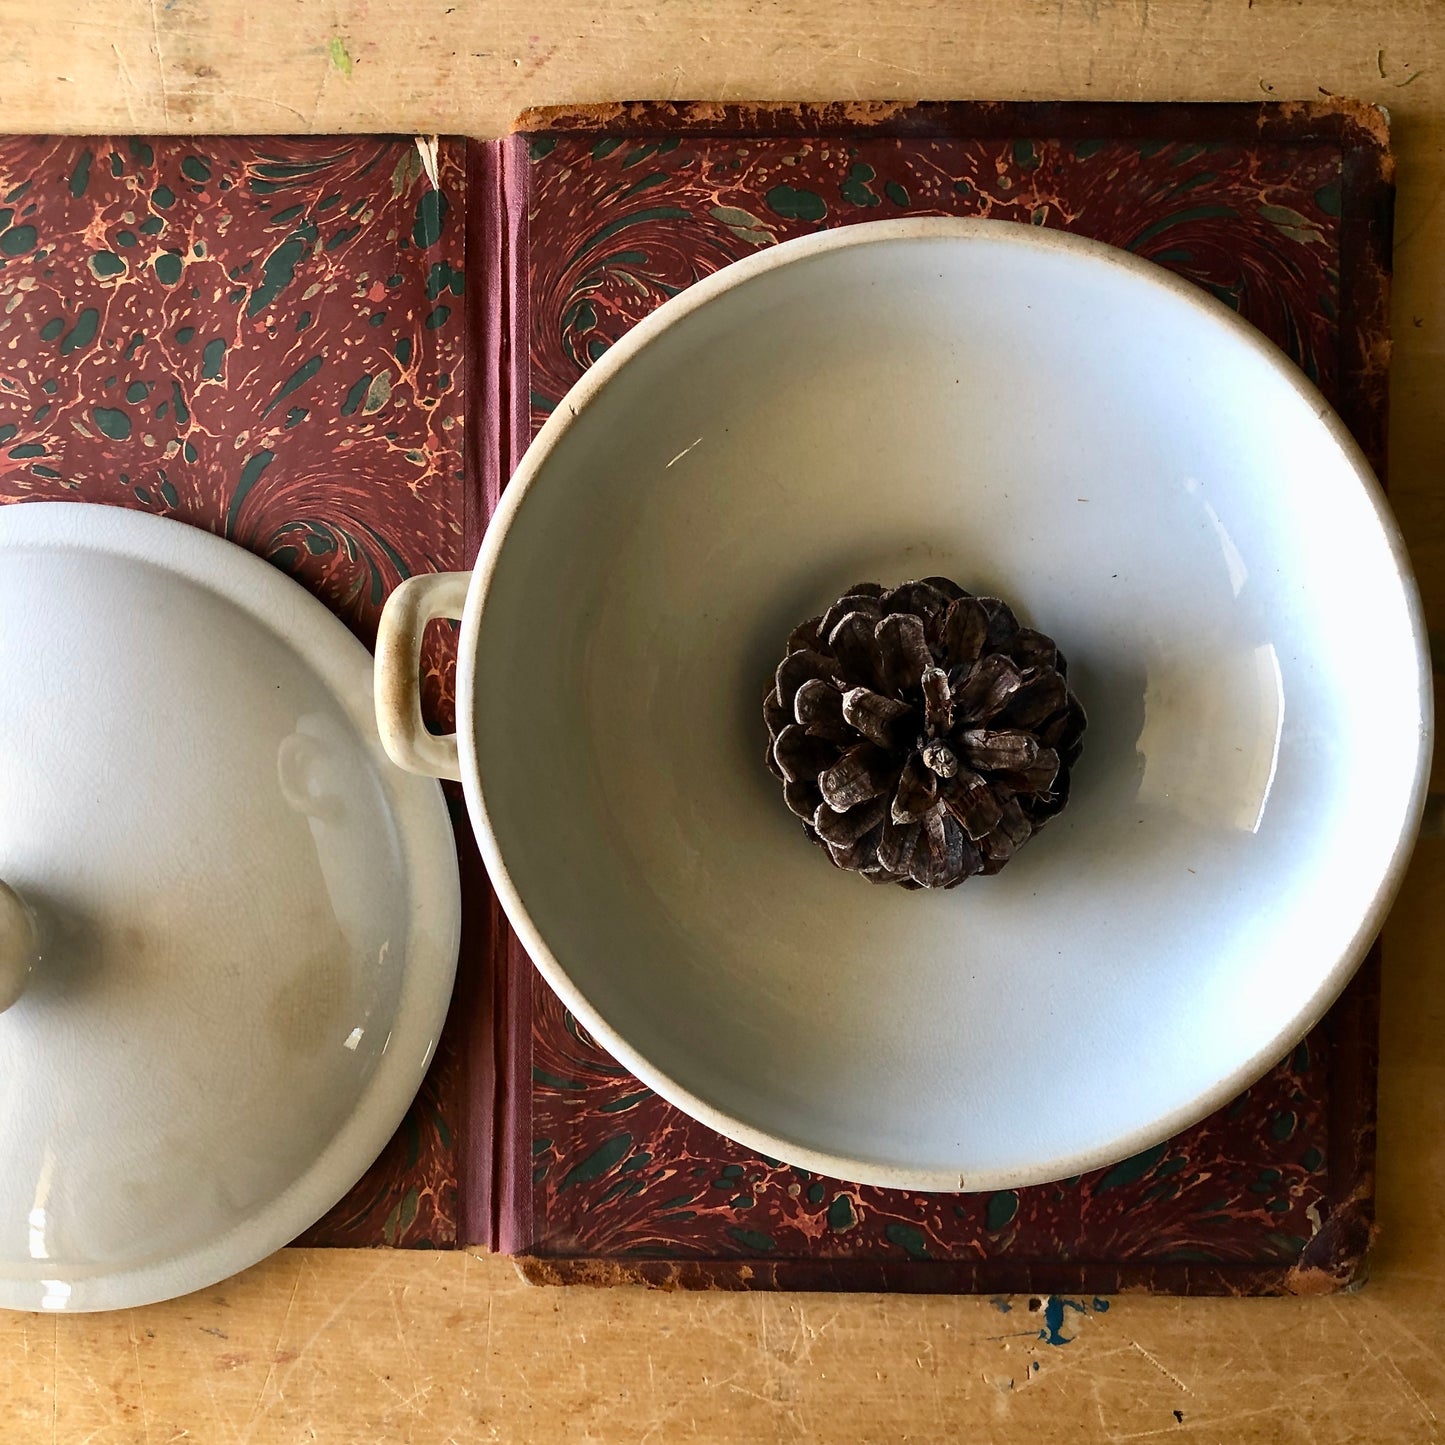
(920, 733)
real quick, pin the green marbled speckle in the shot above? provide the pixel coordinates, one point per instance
(168, 267)
(299, 377)
(355, 395)
(80, 176)
(82, 333)
(431, 213)
(193, 168)
(18, 241)
(112, 421)
(437, 317)
(796, 205)
(841, 1214)
(1000, 1210)
(137, 391)
(279, 268)
(213, 358)
(52, 328)
(106, 263)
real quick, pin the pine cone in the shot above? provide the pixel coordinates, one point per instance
(921, 734)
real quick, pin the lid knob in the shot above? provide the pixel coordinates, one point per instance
(19, 950)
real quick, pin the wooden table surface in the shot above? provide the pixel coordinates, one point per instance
(359, 1347)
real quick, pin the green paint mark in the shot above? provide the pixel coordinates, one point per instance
(279, 268)
(162, 409)
(213, 357)
(1039, 216)
(1312, 1159)
(795, 205)
(296, 416)
(336, 51)
(52, 328)
(754, 1239)
(141, 495)
(815, 1192)
(896, 193)
(1086, 148)
(250, 475)
(605, 147)
(82, 333)
(1300, 1060)
(638, 1161)
(168, 491)
(431, 213)
(855, 189)
(106, 263)
(909, 1240)
(164, 197)
(342, 237)
(284, 218)
(186, 335)
(141, 151)
(19, 241)
(741, 1201)
(195, 169)
(168, 267)
(137, 391)
(298, 378)
(402, 350)
(1131, 1170)
(80, 176)
(127, 238)
(376, 318)
(7, 431)
(841, 1214)
(178, 405)
(189, 452)
(117, 165)
(541, 145)
(1001, 1210)
(599, 1162)
(27, 449)
(1283, 1124)
(1171, 1166)
(113, 422)
(656, 178)
(152, 226)
(356, 395)
(1026, 158)
(437, 317)
(50, 386)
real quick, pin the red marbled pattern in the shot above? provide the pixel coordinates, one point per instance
(245, 334)
(617, 224)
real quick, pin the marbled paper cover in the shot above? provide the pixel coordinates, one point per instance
(1280, 212)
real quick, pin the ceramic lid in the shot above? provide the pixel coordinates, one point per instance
(230, 924)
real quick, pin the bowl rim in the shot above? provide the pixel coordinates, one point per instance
(874, 1171)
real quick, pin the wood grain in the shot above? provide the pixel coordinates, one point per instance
(400, 1347)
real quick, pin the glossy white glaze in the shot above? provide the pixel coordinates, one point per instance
(248, 919)
(1148, 481)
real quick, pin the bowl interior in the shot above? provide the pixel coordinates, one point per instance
(1144, 481)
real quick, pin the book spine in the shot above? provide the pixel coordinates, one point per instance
(496, 1181)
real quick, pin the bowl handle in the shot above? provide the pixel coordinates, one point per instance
(398, 665)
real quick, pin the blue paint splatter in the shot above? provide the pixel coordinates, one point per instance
(1101, 1306)
(1001, 1305)
(1054, 1307)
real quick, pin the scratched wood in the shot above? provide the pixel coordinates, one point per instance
(353, 1347)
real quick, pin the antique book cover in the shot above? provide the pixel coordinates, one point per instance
(1283, 213)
